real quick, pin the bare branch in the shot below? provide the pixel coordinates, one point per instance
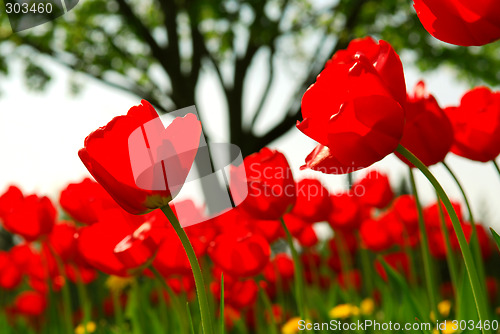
(130, 88)
(267, 89)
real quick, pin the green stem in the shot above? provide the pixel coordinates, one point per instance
(173, 299)
(366, 268)
(65, 292)
(299, 279)
(117, 308)
(426, 255)
(190, 319)
(464, 247)
(496, 166)
(82, 295)
(474, 239)
(269, 309)
(346, 266)
(206, 320)
(452, 266)
(222, 324)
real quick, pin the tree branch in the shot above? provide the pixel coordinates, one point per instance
(130, 88)
(294, 115)
(267, 89)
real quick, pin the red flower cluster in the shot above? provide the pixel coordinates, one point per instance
(358, 111)
(101, 236)
(476, 122)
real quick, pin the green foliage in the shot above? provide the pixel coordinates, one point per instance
(157, 49)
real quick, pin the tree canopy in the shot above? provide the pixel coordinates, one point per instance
(157, 49)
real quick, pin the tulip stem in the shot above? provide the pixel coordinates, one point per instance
(299, 279)
(65, 291)
(206, 320)
(424, 247)
(449, 251)
(496, 166)
(221, 313)
(476, 250)
(173, 298)
(464, 247)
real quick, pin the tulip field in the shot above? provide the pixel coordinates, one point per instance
(112, 254)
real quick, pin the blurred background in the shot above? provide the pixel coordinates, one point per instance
(244, 64)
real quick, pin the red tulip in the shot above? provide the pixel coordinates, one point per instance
(294, 224)
(138, 248)
(62, 240)
(313, 201)
(485, 242)
(428, 132)
(271, 188)
(437, 244)
(32, 218)
(21, 255)
(307, 237)
(171, 258)
(10, 200)
(141, 164)
(84, 200)
(492, 288)
(346, 212)
(460, 22)
(355, 108)
(373, 190)
(374, 234)
(238, 294)
(269, 229)
(180, 284)
(280, 268)
(476, 123)
(10, 274)
(397, 230)
(96, 243)
(405, 208)
(432, 216)
(240, 253)
(80, 273)
(30, 303)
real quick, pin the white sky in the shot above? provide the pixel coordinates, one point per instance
(41, 133)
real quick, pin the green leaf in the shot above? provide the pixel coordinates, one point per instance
(398, 281)
(496, 237)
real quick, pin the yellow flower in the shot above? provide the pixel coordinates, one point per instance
(292, 326)
(367, 306)
(117, 284)
(448, 328)
(343, 311)
(90, 326)
(444, 308)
